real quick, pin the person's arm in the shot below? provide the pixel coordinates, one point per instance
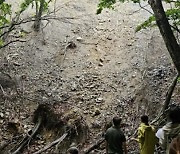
(124, 147)
(140, 137)
(134, 139)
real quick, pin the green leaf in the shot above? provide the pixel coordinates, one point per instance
(105, 4)
(25, 5)
(22, 34)
(178, 79)
(148, 23)
(99, 10)
(1, 43)
(5, 9)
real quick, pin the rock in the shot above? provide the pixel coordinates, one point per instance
(71, 45)
(79, 39)
(97, 112)
(133, 76)
(6, 81)
(100, 64)
(101, 60)
(99, 100)
(73, 86)
(85, 112)
(1, 115)
(109, 38)
(80, 102)
(96, 124)
(7, 113)
(129, 44)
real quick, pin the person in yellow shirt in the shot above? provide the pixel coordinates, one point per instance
(146, 137)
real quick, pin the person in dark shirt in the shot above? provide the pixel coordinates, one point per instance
(115, 139)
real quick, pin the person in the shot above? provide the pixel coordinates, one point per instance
(115, 138)
(170, 130)
(73, 150)
(174, 147)
(146, 136)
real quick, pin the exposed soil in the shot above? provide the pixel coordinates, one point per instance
(93, 65)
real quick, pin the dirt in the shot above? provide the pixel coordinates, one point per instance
(93, 64)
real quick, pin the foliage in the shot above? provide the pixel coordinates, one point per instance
(150, 22)
(5, 12)
(33, 3)
(105, 4)
(40, 7)
(173, 14)
(8, 22)
(178, 79)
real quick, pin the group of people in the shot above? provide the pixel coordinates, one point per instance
(168, 137)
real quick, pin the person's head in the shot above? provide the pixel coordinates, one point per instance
(174, 115)
(144, 119)
(117, 121)
(73, 150)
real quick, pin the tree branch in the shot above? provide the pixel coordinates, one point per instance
(59, 140)
(167, 101)
(144, 8)
(175, 28)
(11, 42)
(169, 93)
(28, 138)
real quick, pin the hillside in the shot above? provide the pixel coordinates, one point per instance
(85, 65)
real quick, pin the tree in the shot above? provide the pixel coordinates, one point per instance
(5, 12)
(40, 7)
(162, 20)
(39, 14)
(9, 20)
(166, 32)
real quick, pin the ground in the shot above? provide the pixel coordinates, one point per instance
(92, 65)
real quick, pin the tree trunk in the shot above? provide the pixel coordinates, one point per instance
(37, 22)
(166, 32)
